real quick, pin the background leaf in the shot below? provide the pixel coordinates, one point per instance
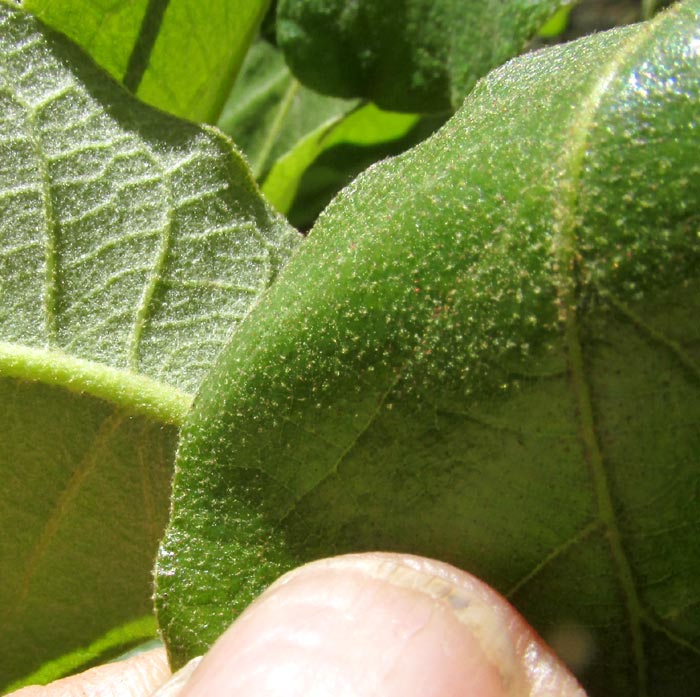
(131, 246)
(268, 111)
(179, 55)
(404, 55)
(487, 351)
(283, 127)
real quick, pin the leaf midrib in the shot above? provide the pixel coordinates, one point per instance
(50, 284)
(564, 248)
(134, 393)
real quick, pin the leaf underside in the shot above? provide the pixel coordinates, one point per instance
(488, 352)
(131, 246)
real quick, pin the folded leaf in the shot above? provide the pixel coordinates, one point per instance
(131, 246)
(405, 55)
(487, 351)
(179, 55)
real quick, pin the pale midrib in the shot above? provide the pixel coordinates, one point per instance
(134, 393)
(564, 252)
(51, 229)
(154, 278)
(84, 468)
(275, 129)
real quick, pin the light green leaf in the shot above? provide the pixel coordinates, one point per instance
(131, 246)
(340, 162)
(556, 25)
(179, 55)
(365, 127)
(141, 632)
(405, 55)
(487, 351)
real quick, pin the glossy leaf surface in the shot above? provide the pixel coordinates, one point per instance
(488, 352)
(404, 55)
(131, 245)
(179, 55)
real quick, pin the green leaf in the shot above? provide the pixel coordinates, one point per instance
(283, 127)
(141, 632)
(131, 246)
(487, 351)
(179, 55)
(556, 25)
(341, 160)
(405, 55)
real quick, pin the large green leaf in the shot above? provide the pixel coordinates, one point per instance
(131, 246)
(486, 351)
(405, 55)
(179, 55)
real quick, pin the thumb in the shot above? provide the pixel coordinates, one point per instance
(371, 625)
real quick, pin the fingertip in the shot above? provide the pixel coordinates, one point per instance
(137, 676)
(380, 624)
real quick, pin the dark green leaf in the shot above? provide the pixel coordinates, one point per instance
(131, 246)
(487, 351)
(179, 55)
(140, 633)
(405, 55)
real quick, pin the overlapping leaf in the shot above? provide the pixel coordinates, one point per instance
(405, 55)
(131, 245)
(487, 351)
(179, 55)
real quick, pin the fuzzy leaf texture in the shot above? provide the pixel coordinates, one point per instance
(404, 55)
(179, 55)
(488, 352)
(131, 246)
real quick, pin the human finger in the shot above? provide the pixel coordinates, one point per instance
(386, 625)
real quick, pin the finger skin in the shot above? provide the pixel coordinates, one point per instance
(138, 676)
(380, 625)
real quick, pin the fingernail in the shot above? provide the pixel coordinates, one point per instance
(178, 680)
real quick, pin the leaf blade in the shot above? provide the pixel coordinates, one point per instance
(131, 244)
(405, 390)
(177, 55)
(416, 56)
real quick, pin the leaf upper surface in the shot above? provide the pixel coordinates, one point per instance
(131, 246)
(486, 352)
(179, 55)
